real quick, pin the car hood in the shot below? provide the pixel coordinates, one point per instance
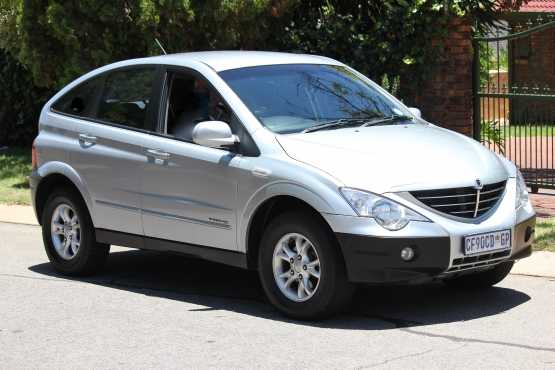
(392, 158)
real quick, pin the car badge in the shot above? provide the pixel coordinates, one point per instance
(478, 185)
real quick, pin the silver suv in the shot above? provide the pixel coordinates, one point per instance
(294, 165)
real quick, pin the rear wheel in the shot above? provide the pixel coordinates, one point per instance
(301, 269)
(481, 280)
(68, 235)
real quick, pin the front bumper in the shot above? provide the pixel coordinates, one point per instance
(378, 260)
(373, 254)
(371, 259)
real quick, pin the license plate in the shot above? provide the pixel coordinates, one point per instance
(487, 242)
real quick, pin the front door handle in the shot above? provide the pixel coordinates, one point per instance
(158, 154)
(87, 139)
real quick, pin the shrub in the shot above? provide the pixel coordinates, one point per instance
(46, 44)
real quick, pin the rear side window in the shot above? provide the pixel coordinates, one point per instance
(126, 97)
(80, 100)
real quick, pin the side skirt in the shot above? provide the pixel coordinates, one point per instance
(226, 257)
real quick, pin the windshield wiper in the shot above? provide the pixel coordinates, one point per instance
(387, 120)
(345, 122)
(366, 122)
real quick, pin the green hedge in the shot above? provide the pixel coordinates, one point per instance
(46, 44)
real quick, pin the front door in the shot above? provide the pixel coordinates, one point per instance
(190, 191)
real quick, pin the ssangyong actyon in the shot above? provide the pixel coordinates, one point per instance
(297, 166)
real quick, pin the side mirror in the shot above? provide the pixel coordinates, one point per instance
(214, 134)
(416, 112)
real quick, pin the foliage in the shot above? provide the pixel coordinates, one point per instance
(392, 41)
(59, 40)
(493, 57)
(15, 166)
(492, 134)
(545, 235)
(385, 41)
(20, 102)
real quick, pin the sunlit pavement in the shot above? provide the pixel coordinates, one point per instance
(160, 310)
(544, 202)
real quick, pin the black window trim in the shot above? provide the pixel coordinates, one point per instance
(152, 106)
(155, 111)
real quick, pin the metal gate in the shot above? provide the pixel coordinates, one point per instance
(514, 96)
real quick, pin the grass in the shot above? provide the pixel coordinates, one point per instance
(15, 166)
(491, 128)
(528, 130)
(545, 235)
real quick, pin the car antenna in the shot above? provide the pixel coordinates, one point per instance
(160, 46)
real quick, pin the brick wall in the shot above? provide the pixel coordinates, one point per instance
(446, 97)
(537, 65)
(534, 67)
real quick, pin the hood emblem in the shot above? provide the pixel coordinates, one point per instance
(478, 185)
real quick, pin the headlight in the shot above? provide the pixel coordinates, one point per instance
(521, 191)
(387, 213)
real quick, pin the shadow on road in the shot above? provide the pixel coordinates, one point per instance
(219, 287)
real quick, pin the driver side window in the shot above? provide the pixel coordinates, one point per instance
(192, 100)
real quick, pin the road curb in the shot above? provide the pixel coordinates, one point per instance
(18, 214)
(540, 264)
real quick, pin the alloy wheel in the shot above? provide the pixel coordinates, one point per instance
(296, 267)
(65, 231)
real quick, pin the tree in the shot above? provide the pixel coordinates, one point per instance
(395, 42)
(20, 102)
(60, 40)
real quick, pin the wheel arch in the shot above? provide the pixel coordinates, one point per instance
(266, 212)
(57, 174)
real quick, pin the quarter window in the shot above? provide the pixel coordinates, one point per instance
(80, 100)
(126, 97)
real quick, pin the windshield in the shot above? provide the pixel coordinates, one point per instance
(294, 97)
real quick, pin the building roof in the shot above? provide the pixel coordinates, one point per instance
(537, 6)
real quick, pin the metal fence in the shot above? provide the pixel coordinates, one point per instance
(514, 96)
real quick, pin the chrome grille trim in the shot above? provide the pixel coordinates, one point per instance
(452, 204)
(449, 196)
(466, 202)
(470, 211)
(494, 190)
(480, 261)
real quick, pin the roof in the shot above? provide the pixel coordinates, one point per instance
(224, 60)
(536, 6)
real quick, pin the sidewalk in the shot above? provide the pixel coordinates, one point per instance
(544, 202)
(18, 214)
(539, 264)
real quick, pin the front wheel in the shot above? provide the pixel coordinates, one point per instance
(301, 269)
(481, 280)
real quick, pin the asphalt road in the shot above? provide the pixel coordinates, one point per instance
(154, 310)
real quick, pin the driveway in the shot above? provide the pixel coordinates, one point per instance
(153, 310)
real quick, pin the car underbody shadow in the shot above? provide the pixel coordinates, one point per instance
(219, 287)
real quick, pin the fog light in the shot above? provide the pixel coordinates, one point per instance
(407, 253)
(528, 234)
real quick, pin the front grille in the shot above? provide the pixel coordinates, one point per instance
(461, 202)
(482, 260)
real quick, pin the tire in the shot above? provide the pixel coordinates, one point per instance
(331, 292)
(84, 256)
(482, 280)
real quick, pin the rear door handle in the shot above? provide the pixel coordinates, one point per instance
(157, 153)
(85, 138)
